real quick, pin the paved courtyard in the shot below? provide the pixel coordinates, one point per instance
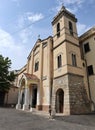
(11, 119)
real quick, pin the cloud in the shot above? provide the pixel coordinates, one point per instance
(34, 17)
(71, 5)
(25, 23)
(18, 45)
(82, 28)
(74, 5)
(29, 17)
(73, 10)
(6, 40)
(10, 48)
(69, 2)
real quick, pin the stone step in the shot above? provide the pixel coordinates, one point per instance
(41, 113)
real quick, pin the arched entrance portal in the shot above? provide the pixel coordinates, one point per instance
(28, 92)
(59, 101)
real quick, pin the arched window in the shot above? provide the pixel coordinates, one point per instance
(74, 62)
(60, 101)
(59, 61)
(36, 66)
(58, 30)
(71, 28)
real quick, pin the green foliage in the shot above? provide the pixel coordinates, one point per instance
(6, 77)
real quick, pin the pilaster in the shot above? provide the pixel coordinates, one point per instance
(41, 71)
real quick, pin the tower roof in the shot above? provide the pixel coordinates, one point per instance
(65, 12)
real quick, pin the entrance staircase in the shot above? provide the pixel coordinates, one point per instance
(41, 113)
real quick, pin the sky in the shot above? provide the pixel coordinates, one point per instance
(23, 21)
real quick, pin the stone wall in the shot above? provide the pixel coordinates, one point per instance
(79, 102)
(75, 96)
(61, 82)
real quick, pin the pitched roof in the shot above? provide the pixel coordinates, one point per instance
(31, 77)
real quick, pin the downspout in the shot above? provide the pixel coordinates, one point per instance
(88, 83)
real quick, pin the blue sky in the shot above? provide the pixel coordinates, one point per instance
(21, 21)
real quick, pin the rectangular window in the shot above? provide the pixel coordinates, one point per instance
(90, 70)
(36, 66)
(59, 60)
(74, 62)
(86, 47)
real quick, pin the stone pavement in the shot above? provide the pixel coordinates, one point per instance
(12, 119)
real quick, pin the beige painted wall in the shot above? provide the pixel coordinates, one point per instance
(61, 50)
(62, 36)
(45, 61)
(90, 58)
(42, 52)
(45, 92)
(72, 49)
(12, 97)
(66, 21)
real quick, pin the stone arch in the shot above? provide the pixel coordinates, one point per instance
(22, 84)
(23, 81)
(59, 103)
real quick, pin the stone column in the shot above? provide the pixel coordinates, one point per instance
(18, 106)
(26, 101)
(30, 96)
(39, 106)
(38, 96)
(30, 100)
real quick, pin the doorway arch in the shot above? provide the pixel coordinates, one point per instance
(60, 101)
(22, 90)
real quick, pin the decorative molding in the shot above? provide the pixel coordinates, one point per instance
(67, 65)
(64, 42)
(67, 74)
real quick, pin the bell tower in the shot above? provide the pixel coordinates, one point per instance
(64, 27)
(67, 71)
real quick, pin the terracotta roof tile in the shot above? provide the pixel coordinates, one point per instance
(31, 76)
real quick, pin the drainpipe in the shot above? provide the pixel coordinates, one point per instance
(88, 83)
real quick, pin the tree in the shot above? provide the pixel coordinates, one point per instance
(6, 77)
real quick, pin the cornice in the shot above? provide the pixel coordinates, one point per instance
(64, 12)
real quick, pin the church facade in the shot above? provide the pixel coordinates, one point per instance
(54, 76)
